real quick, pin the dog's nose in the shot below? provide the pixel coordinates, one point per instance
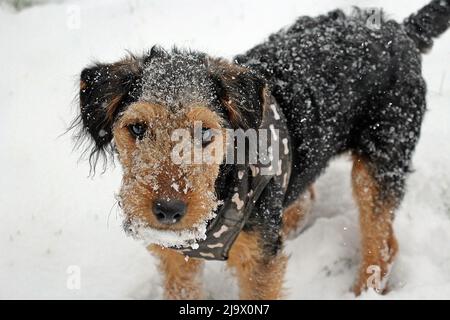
(169, 211)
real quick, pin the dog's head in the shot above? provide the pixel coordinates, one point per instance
(137, 104)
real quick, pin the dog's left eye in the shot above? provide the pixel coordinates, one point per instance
(138, 130)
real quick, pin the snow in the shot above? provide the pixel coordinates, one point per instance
(140, 231)
(52, 217)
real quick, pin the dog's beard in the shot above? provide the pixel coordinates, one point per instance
(141, 231)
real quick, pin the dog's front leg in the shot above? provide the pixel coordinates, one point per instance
(181, 276)
(257, 253)
(260, 277)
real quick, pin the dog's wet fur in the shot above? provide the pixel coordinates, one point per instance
(343, 87)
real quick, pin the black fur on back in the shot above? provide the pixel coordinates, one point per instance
(346, 87)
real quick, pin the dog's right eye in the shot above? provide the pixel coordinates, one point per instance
(137, 130)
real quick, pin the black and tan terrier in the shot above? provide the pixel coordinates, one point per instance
(341, 85)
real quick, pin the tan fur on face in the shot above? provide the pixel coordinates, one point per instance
(150, 173)
(206, 116)
(259, 277)
(378, 244)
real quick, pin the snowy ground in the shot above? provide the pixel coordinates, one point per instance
(52, 216)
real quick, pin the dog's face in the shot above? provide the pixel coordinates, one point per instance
(155, 189)
(136, 105)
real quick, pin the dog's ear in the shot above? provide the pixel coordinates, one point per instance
(241, 91)
(105, 90)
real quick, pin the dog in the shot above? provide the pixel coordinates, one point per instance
(330, 84)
